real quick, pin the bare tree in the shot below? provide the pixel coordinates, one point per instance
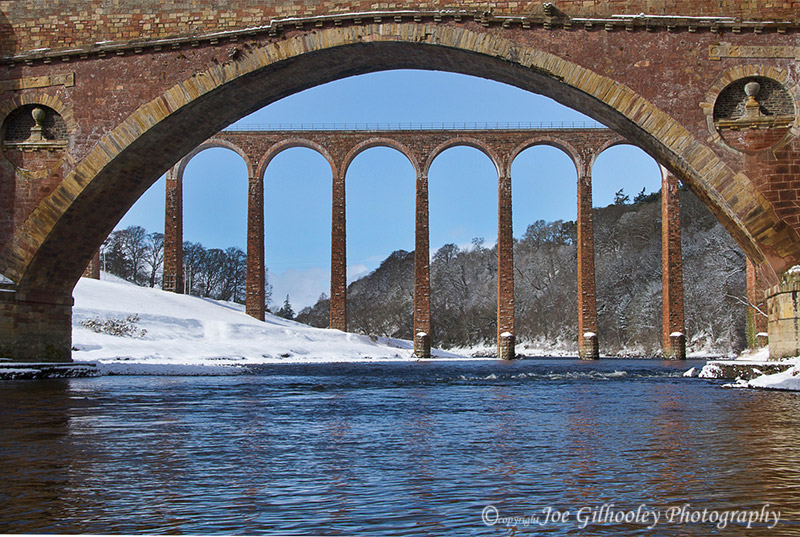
(154, 255)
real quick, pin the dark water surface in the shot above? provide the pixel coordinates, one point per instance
(401, 449)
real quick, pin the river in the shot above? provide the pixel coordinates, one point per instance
(529, 447)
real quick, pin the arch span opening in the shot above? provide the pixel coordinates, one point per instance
(544, 188)
(297, 215)
(463, 190)
(380, 183)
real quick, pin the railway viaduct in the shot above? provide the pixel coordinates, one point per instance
(99, 99)
(421, 146)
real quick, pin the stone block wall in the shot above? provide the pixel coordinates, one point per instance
(66, 24)
(783, 325)
(36, 329)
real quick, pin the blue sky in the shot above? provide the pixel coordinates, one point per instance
(380, 182)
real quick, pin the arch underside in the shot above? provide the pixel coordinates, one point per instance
(50, 250)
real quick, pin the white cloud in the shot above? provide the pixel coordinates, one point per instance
(354, 272)
(304, 286)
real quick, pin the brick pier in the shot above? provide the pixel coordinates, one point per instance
(673, 326)
(587, 294)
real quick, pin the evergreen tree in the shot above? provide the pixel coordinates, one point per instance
(620, 198)
(286, 310)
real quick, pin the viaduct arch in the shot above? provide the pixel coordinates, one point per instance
(125, 96)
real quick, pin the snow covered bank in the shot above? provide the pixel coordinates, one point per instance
(754, 369)
(788, 380)
(167, 333)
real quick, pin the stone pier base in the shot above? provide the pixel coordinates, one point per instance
(762, 339)
(35, 328)
(588, 348)
(783, 319)
(47, 370)
(506, 346)
(93, 268)
(422, 345)
(676, 347)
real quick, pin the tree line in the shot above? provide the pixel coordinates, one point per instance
(137, 256)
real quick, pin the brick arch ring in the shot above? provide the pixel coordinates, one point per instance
(602, 148)
(379, 141)
(564, 146)
(291, 143)
(214, 143)
(466, 141)
(41, 255)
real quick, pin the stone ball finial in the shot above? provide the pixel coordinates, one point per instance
(751, 89)
(37, 131)
(38, 115)
(752, 110)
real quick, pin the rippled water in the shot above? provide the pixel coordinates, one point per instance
(399, 449)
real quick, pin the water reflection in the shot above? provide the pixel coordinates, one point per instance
(391, 449)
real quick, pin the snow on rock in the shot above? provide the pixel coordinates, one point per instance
(710, 371)
(192, 335)
(692, 372)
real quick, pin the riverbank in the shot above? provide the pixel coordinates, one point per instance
(122, 329)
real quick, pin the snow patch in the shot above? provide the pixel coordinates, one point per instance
(187, 335)
(756, 355)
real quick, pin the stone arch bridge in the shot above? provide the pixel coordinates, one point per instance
(99, 99)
